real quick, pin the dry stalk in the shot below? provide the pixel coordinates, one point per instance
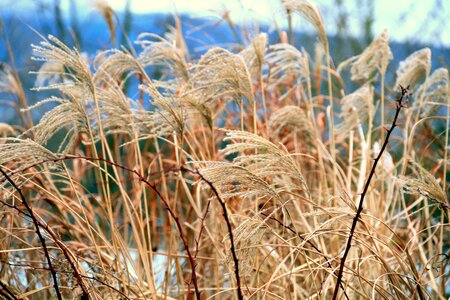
(43, 225)
(147, 183)
(6, 292)
(38, 232)
(310, 243)
(230, 230)
(400, 103)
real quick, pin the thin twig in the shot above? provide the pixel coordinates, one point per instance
(143, 179)
(63, 271)
(230, 230)
(38, 232)
(107, 285)
(67, 255)
(154, 188)
(197, 240)
(405, 93)
(64, 249)
(310, 243)
(6, 292)
(61, 246)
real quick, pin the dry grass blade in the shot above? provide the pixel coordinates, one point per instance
(247, 237)
(281, 162)
(108, 14)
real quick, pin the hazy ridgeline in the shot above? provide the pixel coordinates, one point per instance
(157, 174)
(84, 28)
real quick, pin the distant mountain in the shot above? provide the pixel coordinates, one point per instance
(200, 33)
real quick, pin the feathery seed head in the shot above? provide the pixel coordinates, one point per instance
(158, 51)
(413, 68)
(289, 117)
(311, 13)
(356, 108)
(268, 160)
(9, 83)
(5, 130)
(286, 63)
(425, 185)
(375, 57)
(55, 51)
(24, 152)
(222, 74)
(254, 54)
(434, 92)
(232, 180)
(247, 237)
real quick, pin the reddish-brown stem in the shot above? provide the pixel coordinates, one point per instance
(400, 104)
(202, 227)
(197, 240)
(66, 252)
(6, 292)
(64, 271)
(230, 230)
(38, 232)
(309, 242)
(156, 190)
(191, 258)
(107, 285)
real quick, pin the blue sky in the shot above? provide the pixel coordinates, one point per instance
(410, 20)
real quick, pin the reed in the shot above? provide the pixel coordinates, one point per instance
(255, 174)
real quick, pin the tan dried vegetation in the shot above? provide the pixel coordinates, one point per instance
(130, 189)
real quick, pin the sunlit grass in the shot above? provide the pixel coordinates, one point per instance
(241, 180)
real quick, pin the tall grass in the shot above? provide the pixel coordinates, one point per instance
(235, 175)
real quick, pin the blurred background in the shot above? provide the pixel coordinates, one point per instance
(93, 26)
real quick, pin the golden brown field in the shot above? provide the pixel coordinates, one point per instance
(253, 174)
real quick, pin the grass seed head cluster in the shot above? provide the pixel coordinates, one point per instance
(134, 192)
